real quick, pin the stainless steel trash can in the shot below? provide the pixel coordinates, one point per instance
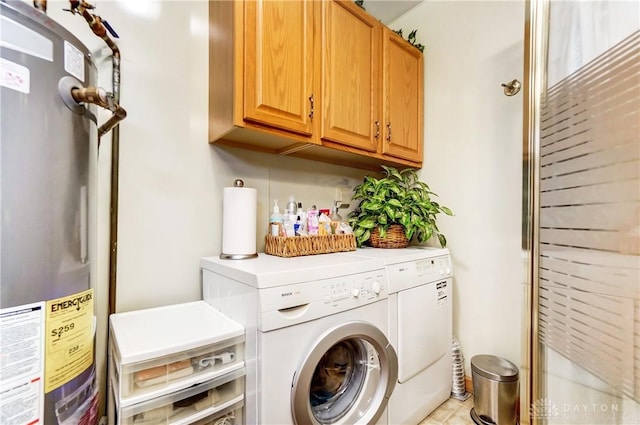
(495, 391)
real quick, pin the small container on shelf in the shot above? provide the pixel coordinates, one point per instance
(189, 405)
(157, 351)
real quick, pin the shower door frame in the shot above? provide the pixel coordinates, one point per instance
(536, 45)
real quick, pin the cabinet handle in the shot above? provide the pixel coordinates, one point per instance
(377, 129)
(388, 132)
(311, 103)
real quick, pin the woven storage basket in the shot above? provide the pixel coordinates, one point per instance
(395, 238)
(308, 245)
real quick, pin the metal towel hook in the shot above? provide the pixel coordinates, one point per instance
(512, 87)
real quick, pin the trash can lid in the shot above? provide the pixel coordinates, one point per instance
(495, 368)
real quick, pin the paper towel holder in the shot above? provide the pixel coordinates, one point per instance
(223, 256)
(238, 256)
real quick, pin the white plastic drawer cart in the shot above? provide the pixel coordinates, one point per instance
(179, 364)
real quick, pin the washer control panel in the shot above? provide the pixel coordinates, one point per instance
(354, 289)
(301, 302)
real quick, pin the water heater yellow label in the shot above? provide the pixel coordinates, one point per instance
(69, 338)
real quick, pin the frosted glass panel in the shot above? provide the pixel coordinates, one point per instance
(589, 277)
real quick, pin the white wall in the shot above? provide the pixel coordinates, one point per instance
(473, 160)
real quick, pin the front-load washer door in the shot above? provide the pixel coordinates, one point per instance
(346, 377)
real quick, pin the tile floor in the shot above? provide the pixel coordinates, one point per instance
(451, 412)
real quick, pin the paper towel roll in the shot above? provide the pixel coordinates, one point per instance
(239, 209)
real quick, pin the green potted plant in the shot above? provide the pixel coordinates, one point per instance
(394, 209)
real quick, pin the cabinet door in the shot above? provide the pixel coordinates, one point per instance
(278, 49)
(351, 45)
(403, 98)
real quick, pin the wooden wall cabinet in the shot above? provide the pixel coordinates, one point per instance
(278, 67)
(350, 73)
(316, 80)
(403, 98)
(261, 59)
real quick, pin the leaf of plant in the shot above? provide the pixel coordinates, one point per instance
(382, 219)
(408, 232)
(446, 210)
(428, 232)
(371, 206)
(394, 188)
(390, 212)
(367, 224)
(442, 240)
(363, 238)
(423, 185)
(394, 202)
(393, 172)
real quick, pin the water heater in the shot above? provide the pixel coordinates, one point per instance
(47, 158)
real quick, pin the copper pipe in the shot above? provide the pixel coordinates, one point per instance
(98, 28)
(98, 96)
(95, 23)
(95, 95)
(118, 115)
(41, 5)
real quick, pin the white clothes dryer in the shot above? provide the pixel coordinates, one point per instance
(420, 328)
(316, 343)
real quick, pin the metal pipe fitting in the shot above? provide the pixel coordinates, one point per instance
(98, 96)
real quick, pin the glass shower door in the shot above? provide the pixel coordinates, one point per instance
(587, 277)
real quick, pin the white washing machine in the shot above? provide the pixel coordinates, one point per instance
(420, 328)
(316, 343)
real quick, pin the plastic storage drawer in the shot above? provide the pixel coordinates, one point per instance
(160, 350)
(213, 399)
(232, 415)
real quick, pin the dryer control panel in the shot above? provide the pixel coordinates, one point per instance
(292, 304)
(410, 274)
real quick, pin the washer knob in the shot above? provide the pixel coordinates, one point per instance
(355, 292)
(375, 287)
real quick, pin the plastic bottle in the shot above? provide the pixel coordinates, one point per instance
(312, 220)
(291, 208)
(334, 215)
(336, 220)
(324, 224)
(275, 220)
(301, 220)
(289, 217)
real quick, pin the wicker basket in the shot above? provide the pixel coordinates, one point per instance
(395, 238)
(308, 245)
